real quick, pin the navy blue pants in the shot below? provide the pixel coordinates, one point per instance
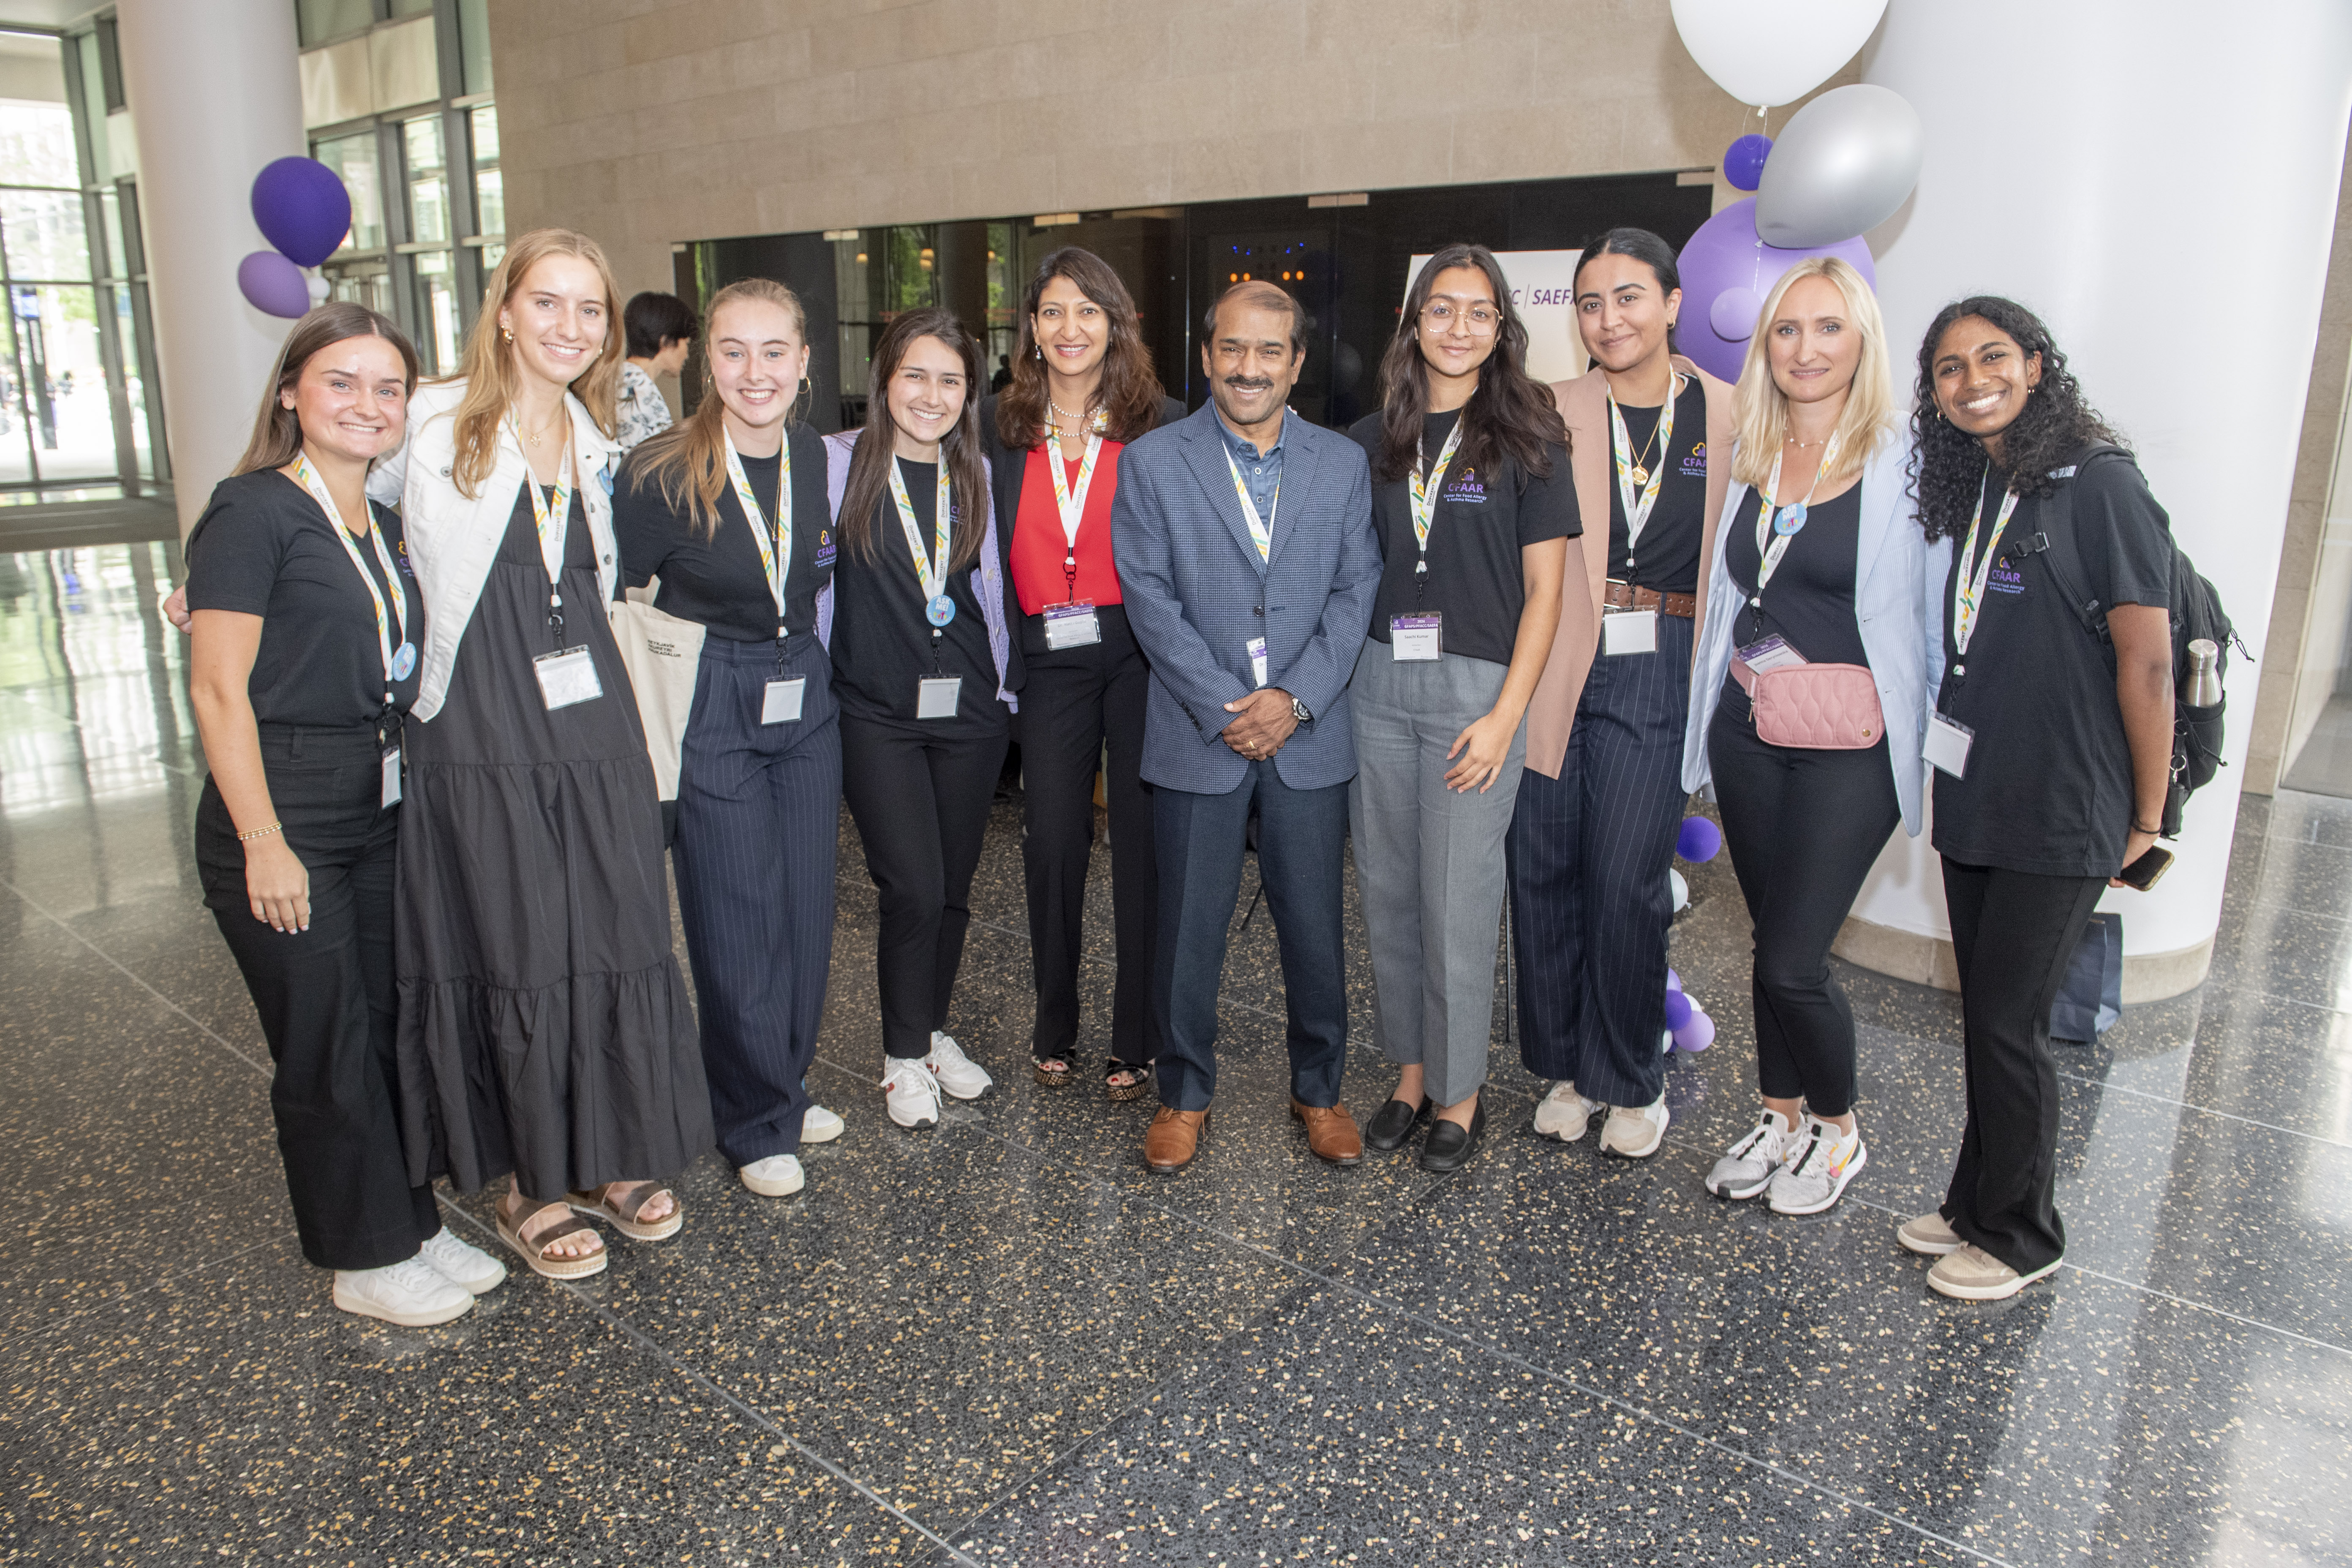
(759, 828)
(1589, 854)
(1302, 843)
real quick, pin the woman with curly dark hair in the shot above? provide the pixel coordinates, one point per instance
(2051, 741)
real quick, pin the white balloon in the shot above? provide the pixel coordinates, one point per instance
(1678, 887)
(1774, 51)
(319, 287)
(1845, 163)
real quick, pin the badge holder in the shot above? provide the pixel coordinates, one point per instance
(781, 703)
(567, 676)
(1074, 625)
(1629, 631)
(1769, 653)
(1415, 637)
(1947, 746)
(935, 695)
(1257, 660)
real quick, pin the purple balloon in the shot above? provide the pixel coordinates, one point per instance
(1743, 162)
(1678, 1009)
(301, 208)
(1697, 1035)
(1673, 981)
(1725, 254)
(272, 284)
(1699, 840)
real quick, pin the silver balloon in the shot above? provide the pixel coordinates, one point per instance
(1843, 164)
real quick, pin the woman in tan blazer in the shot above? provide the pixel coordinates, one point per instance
(1593, 837)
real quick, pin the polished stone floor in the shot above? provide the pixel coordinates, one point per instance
(1004, 1341)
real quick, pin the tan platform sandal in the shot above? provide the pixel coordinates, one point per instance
(619, 1203)
(514, 1230)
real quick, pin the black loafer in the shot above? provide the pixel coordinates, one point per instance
(1448, 1148)
(1392, 1125)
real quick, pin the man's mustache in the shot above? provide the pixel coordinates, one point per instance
(1250, 383)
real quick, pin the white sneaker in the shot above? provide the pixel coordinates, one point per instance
(1635, 1131)
(911, 1093)
(958, 1073)
(1746, 1167)
(1564, 1114)
(819, 1125)
(1820, 1163)
(466, 1267)
(777, 1176)
(411, 1293)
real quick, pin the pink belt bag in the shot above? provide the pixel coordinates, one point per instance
(1817, 707)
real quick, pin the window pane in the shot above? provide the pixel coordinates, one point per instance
(65, 380)
(135, 385)
(45, 235)
(437, 309)
(36, 145)
(428, 187)
(489, 186)
(93, 98)
(411, 7)
(324, 19)
(353, 157)
(110, 207)
(364, 283)
(15, 453)
(491, 255)
(474, 43)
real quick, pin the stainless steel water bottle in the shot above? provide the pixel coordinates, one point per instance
(2204, 677)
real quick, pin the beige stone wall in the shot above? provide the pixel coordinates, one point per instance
(648, 122)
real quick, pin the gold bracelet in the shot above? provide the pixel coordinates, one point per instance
(260, 833)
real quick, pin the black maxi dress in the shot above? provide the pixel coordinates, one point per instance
(544, 1027)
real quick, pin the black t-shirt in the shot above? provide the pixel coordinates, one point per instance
(2049, 782)
(1668, 559)
(1809, 600)
(1476, 580)
(882, 643)
(719, 580)
(263, 547)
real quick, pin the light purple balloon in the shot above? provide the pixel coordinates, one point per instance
(273, 285)
(1697, 1035)
(1673, 981)
(1725, 255)
(1678, 1009)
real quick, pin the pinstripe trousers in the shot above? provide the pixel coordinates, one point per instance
(1589, 854)
(759, 828)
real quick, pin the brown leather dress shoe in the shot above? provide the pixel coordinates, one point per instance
(1330, 1132)
(1174, 1139)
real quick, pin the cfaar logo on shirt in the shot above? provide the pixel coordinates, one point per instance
(1466, 488)
(2005, 578)
(1695, 462)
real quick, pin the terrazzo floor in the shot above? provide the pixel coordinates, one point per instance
(1002, 1341)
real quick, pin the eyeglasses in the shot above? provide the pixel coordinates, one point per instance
(1481, 319)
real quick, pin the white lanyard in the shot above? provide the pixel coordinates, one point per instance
(1261, 530)
(554, 519)
(934, 578)
(1631, 480)
(1071, 503)
(318, 488)
(1967, 596)
(777, 558)
(1425, 491)
(1780, 523)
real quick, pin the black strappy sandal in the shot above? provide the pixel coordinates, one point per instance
(1136, 1087)
(1051, 1077)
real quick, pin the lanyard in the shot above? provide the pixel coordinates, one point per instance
(1261, 530)
(776, 558)
(1424, 493)
(1071, 503)
(1632, 479)
(1968, 596)
(318, 488)
(934, 578)
(554, 520)
(1780, 523)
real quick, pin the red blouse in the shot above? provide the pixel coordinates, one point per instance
(1037, 544)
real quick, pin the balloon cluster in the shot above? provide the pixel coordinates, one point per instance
(1688, 1028)
(301, 207)
(1843, 164)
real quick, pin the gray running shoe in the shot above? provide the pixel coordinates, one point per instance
(1746, 1167)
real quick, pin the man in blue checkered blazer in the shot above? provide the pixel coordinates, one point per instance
(1247, 564)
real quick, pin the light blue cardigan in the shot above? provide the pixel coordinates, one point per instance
(1898, 606)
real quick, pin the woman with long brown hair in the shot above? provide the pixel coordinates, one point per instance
(1083, 387)
(915, 624)
(728, 511)
(544, 1026)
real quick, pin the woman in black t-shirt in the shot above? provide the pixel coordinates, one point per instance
(919, 651)
(305, 623)
(1474, 507)
(728, 511)
(2052, 742)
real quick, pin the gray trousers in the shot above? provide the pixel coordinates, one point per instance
(1429, 862)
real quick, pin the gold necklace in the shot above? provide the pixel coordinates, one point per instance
(535, 439)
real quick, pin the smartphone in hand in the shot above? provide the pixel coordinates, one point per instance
(2145, 872)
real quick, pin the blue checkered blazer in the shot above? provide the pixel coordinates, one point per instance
(1196, 596)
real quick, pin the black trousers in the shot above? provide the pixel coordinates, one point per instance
(1077, 698)
(327, 996)
(1803, 827)
(758, 830)
(2013, 933)
(921, 807)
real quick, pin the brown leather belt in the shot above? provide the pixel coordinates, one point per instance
(1626, 596)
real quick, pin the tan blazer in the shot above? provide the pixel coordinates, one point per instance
(1584, 409)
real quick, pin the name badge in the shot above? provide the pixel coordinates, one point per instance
(1948, 743)
(780, 704)
(1071, 625)
(935, 696)
(1413, 636)
(1629, 631)
(391, 778)
(1770, 653)
(1257, 659)
(567, 676)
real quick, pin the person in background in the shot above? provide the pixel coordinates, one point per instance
(1475, 509)
(2051, 743)
(1246, 550)
(1003, 376)
(920, 670)
(1649, 436)
(1820, 564)
(660, 328)
(728, 511)
(306, 621)
(1085, 389)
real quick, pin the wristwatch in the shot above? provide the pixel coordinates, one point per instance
(1299, 712)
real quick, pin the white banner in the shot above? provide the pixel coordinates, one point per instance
(1543, 291)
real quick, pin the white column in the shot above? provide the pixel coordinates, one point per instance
(2157, 180)
(215, 93)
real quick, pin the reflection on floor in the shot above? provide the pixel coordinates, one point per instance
(2324, 766)
(1003, 1342)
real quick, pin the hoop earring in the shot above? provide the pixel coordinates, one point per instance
(807, 387)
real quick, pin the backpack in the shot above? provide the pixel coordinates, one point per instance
(2197, 613)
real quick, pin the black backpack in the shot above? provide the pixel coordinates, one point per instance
(2197, 613)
